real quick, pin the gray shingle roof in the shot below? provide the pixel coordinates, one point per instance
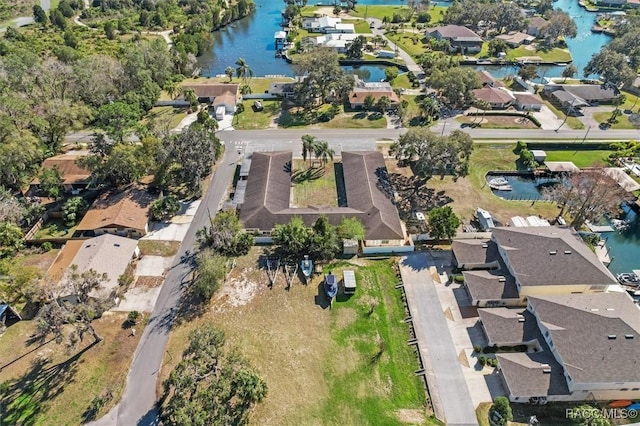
(547, 255)
(581, 325)
(474, 251)
(487, 285)
(369, 195)
(456, 33)
(509, 325)
(524, 375)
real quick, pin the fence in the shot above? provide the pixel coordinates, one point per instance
(36, 227)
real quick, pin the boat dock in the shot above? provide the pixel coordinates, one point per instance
(603, 253)
(599, 228)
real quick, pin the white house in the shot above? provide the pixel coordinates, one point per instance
(327, 24)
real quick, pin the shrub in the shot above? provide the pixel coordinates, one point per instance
(477, 349)
(133, 317)
(492, 362)
(490, 349)
(164, 208)
(73, 210)
(520, 348)
(501, 406)
(520, 145)
(47, 246)
(482, 360)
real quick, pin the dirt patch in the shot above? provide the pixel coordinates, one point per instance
(148, 282)
(464, 361)
(448, 314)
(158, 248)
(40, 260)
(411, 417)
(237, 291)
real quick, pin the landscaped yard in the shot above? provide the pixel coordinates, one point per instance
(158, 248)
(251, 119)
(405, 41)
(322, 365)
(583, 158)
(358, 120)
(45, 384)
(166, 115)
(547, 55)
(313, 186)
(55, 228)
(622, 120)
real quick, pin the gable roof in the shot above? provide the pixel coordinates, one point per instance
(226, 98)
(474, 251)
(358, 96)
(267, 197)
(547, 255)
(456, 33)
(490, 285)
(211, 90)
(527, 99)
(70, 172)
(537, 22)
(486, 79)
(493, 95)
(509, 325)
(580, 326)
(126, 209)
(515, 37)
(525, 376)
(108, 254)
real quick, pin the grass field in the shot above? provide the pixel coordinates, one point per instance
(586, 158)
(167, 115)
(401, 82)
(315, 186)
(359, 120)
(467, 194)
(404, 40)
(55, 228)
(622, 120)
(322, 366)
(552, 55)
(377, 11)
(45, 384)
(498, 122)
(250, 119)
(158, 248)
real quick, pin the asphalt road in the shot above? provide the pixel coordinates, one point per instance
(448, 389)
(137, 406)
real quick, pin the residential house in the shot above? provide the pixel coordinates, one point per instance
(486, 79)
(327, 25)
(532, 261)
(338, 42)
(377, 90)
(516, 38)
(267, 200)
(460, 38)
(583, 94)
(536, 25)
(105, 254)
(581, 347)
(497, 97)
(216, 94)
(282, 90)
(526, 101)
(123, 213)
(74, 177)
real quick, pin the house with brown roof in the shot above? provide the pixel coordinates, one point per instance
(73, 176)
(377, 90)
(516, 38)
(581, 347)
(460, 38)
(536, 25)
(497, 97)
(526, 101)
(216, 94)
(529, 261)
(124, 213)
(486, 79)
(369, 198)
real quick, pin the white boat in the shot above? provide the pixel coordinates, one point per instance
(619, 225)
(628, 278)
(500, 184)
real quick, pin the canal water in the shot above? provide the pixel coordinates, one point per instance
(623, 246)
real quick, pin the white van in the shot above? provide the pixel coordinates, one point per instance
(220, 113)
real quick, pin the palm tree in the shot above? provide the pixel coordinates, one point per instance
(229, 72)
(309, 144)
(190, 96)
(172, 89)
(243, 70)
(323, 152)
(427, 107)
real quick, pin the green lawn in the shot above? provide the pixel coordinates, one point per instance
(55, 228)
(361, 26)
(405, 41)
(167, 114)
(622, 120)
(436, 13)
(586, 158)
(401, 82)
(377, 11)
(250, 119)
(315, 186)
(552, 55)
(356, 121)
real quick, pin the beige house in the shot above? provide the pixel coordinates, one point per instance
(581, 347)
(123, 213)
(521, 262)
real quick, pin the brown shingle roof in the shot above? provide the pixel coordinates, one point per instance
(528, 99)
(226, 98)
(211, 90)
(127, 209)
(537, 22)
(358, 96)
(546, 255)
(267, 197)
(580, 326)
(486, 79)
(67, 167)
(493, 95)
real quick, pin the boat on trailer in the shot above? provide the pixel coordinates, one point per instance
(306, 265)
(330, 285)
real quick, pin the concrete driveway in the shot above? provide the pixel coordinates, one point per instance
(548, 120)
(448, 389)
(153, 266)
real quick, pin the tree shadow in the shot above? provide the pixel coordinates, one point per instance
(414, 195)
(300, 176)
(24, 399)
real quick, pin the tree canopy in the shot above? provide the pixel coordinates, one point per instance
(432, 154)
(211, 385)
(224, 235)
(443, 223)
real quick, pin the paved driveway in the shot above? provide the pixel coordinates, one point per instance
(450, 395)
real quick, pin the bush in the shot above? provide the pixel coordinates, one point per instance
(482, 360)
(164, 208)
(490, 349)
(477, 349)
(73, 210)
(520, 348)
(501, 406)
(133, 317)
(423, 17)
(47, 246)
(492, 362)
(520, 145)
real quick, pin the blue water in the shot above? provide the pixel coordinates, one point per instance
(504, 71)
(252, 39)
(624, 246)
(366, 72)
(524, 187)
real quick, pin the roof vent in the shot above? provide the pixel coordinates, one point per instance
(567, 252)
(485, 245)
(502, 278)
(520, 318)
(610, 309)
(594, 309)
(116, 244)
(612, 337)
(546, 368)
(553, 252)
(628, 336)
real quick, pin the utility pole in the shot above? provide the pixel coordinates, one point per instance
(585, 135)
